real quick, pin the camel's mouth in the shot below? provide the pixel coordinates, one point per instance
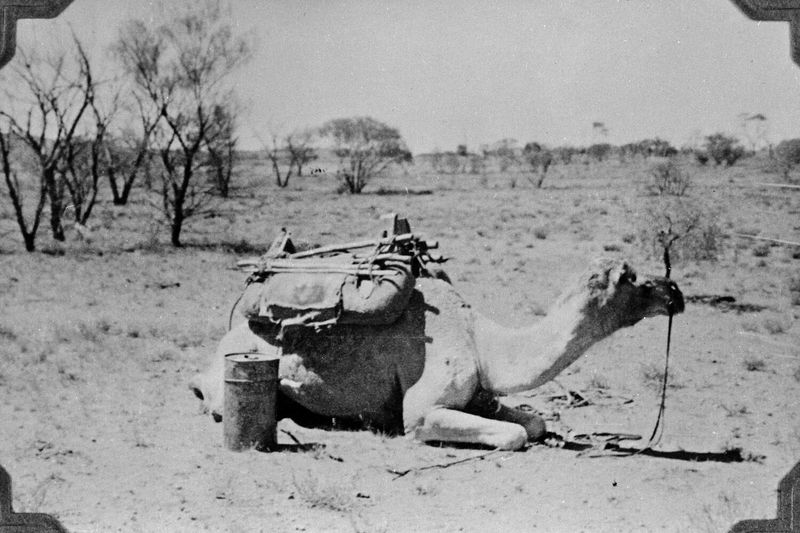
(668, 294)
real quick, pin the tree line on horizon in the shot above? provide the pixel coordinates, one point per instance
(166, 121)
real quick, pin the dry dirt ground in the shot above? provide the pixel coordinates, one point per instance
(97, 345)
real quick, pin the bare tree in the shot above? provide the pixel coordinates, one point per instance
(126, 152)
(46, 119)
(539, 158)
(505, 150)
(221, 147)
(282, 162)
(16, 193)
(181, 66)
(299, 145)
(80, 167)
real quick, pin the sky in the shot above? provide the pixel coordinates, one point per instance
(474, 72)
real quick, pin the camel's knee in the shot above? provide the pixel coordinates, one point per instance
(209, 385)
(210, 393)
(533, 424)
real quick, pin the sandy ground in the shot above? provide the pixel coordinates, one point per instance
(97, 346)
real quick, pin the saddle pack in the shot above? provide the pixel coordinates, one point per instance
(361, 283)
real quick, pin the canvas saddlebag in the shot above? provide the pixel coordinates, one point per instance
(319, 299)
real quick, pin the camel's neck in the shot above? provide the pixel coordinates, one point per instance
(513, 360)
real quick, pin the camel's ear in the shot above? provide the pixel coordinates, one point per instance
(621, 273)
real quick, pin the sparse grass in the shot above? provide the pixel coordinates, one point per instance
(599, 382)
(7, 333)
(794, 290)
(754, 364)
(93, 331)
(537, 309)
(243, 247)
(34, 502)
(751, 326)
(165, 355)
(720, 515)
(735, 410)
(323, 493)
(426, 489)
(775, 325)
(653, 377)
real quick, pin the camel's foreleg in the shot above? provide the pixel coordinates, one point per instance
(449, 425)
(533, 423)
(487, 405)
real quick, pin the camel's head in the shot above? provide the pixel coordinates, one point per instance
(619, 296)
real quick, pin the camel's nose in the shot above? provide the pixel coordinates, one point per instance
(675, 304)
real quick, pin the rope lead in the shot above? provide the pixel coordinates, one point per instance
(662, 407)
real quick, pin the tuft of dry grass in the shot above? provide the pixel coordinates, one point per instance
(754, 364)
(775, 325)
(7, 333)
(600, 382)
(653, 377)
(721, 514)
(735, 410)
(323, 493)
(761, 250)
(794, 290)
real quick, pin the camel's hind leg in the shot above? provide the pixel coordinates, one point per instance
(449, 425)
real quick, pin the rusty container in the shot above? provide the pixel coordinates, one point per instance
(251, 387)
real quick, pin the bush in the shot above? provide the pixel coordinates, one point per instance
(701, 157)
(787, 155)
(724, 149)
(365, 148)
(599, 152)
(669, 178)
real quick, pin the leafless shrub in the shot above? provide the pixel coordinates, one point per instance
(689, 229)
(668, 178)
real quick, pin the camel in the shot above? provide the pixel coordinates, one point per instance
(437, 372)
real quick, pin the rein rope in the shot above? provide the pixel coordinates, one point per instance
(655, 437)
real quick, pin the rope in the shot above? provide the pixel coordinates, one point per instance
(655, 436)
(661, 408)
